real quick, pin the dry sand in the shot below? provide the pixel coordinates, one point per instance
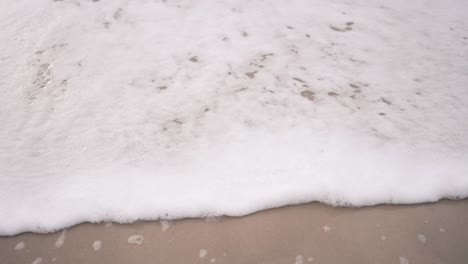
(310, 233)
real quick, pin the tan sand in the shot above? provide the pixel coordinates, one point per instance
(311, 233)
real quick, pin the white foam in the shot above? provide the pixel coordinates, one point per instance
(136, 240)
(404, 260)
(203, 253)
(165, 225)
(299, 259)
(422, 238)
(60, 239)
(167, 111)
(20, 246)
(97, 244)
(37, 261)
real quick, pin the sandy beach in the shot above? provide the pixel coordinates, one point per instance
(310, 233)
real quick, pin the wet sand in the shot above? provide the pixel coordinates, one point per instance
(310, 233)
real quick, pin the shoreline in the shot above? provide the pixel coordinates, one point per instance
(308, 233)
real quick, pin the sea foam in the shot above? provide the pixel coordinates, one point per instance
(172, 109)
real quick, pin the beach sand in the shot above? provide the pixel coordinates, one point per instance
(309, 233)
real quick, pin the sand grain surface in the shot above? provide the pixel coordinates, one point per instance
(427, 233)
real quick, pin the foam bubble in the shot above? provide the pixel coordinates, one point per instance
(299, 259)
(135, 240)
(61, 239)
(404, 260)
(203, 253)
(20, 245)
(97, 244)
(165, 225)
(422, 238)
